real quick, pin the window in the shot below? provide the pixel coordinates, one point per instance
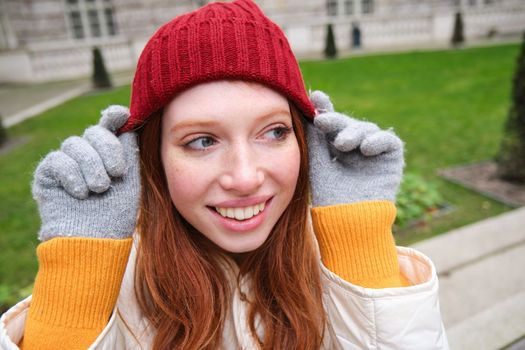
(94, 24)
(368, 6)
(91, 18)
(108, 13)
(331, 7)
(349, 7)
(76, 24)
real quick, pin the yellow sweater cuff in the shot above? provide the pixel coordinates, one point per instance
(356, 242)
(75, 291)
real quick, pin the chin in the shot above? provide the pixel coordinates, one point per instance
(236, 247)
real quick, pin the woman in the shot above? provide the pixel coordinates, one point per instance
(223, 255)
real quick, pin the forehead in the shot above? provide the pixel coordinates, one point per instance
(225, 98)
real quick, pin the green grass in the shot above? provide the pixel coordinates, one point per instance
(448, 106)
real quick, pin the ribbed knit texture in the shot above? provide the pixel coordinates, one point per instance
(356, 243)
(218, 41)
(75, 291)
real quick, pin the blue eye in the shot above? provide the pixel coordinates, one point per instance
(201, 143)
(278, 133)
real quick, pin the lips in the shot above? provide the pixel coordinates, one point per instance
(241, 219)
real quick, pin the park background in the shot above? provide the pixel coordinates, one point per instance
(391, 62)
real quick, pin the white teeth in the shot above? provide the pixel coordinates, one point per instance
(248, 212)
(241, 213)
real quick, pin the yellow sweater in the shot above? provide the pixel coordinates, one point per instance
(78, 281)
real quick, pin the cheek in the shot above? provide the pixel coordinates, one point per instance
(184, 182)
(285, 168)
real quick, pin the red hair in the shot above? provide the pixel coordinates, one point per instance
(180, 283)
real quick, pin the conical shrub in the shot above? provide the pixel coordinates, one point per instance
(511, 157)
(330, 50)
(100, 77)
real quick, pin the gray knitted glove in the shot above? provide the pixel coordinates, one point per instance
(351, 160)
(91, 187)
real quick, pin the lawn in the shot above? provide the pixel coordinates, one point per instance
(448, 106)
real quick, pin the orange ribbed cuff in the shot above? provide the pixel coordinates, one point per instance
(356, 242)
(75, 291)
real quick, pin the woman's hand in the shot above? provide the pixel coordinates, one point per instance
(351, 160)
(91, 186)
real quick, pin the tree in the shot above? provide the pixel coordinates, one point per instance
(3, 132)
(330, 50)
(511, 157)
(457, 36)
(100, 77)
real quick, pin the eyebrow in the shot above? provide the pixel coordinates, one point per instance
(209, 123)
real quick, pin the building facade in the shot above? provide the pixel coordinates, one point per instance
(43, 40)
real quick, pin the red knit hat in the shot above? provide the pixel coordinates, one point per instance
(218, 41)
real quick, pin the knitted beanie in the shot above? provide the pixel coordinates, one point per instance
(218, 41)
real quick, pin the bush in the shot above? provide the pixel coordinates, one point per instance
(511, 157)
(457, 36)
(3, 132)
(330, 50)
(100, 77)
(416, 200)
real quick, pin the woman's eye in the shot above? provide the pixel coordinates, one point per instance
(278, 133)
(201, 143)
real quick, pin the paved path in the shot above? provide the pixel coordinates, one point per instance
(482, 281)
(19, 102)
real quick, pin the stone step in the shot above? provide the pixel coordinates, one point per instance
(493, 328)
(473, 242)
(482, 283)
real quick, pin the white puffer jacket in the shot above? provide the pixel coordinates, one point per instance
(359, 318)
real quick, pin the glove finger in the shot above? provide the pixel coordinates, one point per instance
(353, 135)
(321, 102)
(330, 123)
(131, 150)
(109, 149)
(114, 117)
(381, 142)
(59, 170)
(89, 162)
(319, 154)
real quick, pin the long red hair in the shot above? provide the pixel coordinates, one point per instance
(180, 283)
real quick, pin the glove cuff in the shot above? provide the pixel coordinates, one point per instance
(78, 281)
(356, 242)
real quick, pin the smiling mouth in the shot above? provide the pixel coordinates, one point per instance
(241, 213)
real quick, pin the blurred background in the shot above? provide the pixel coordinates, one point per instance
(447, 75)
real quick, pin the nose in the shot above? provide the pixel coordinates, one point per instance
(243, 171)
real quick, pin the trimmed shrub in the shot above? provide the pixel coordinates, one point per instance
(511, 157)
(100, 77)
(330, 50)
(3, 132)
(457, 36)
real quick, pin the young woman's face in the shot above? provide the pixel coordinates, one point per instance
(231, 160)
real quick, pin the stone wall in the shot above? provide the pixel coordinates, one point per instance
(44, 49)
